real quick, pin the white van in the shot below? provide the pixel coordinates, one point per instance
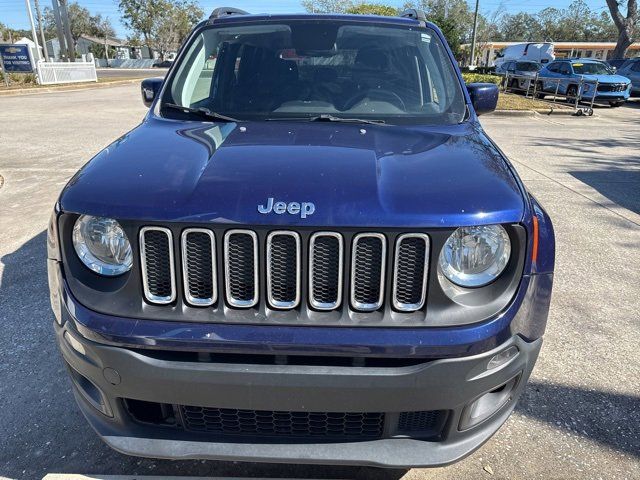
(534, 52)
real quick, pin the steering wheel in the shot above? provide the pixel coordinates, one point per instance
(384, 95)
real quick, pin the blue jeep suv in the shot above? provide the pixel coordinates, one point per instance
(584, 78)
(309, 251)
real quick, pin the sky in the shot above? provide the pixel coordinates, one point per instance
(14, 12)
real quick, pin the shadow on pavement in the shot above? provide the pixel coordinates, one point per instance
(620, 186)
(614, 174)
(43, 431)
(608, 418)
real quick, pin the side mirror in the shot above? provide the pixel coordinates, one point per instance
(150, 88)
(484, 97)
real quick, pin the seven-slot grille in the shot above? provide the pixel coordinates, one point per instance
(285, 261)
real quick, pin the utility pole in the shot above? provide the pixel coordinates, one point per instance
(64, 13)
(59, 29)
(44, 40)
(33, 31)
(475, 31)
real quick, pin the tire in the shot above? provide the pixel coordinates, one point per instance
(572, 93)
(616, 104)
(540, 90)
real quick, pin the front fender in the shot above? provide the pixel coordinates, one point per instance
(545, 259)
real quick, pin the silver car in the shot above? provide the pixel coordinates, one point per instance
(518, 73)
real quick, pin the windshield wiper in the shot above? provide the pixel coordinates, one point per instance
(325, 117)
(330, 118)
(202, 111)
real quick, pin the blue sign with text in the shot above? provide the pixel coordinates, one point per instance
(16, 58)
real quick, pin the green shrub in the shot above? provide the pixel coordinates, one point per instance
(19, 78)
(481, 78)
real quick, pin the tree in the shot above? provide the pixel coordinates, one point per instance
(550, 19)
(328, 6)
(82, 22)
(163, 24)
(142, 16)
(626, 25)
(174, 27)
(452, 16)
(520, 27)
(12, 34)
(372, 9)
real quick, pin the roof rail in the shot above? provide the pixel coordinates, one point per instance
(226, 11)
(414, 14)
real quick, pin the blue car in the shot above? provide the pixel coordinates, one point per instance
(631, 70)
(309, 251)
(584, 78)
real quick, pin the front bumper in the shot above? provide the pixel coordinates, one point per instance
(448, 385)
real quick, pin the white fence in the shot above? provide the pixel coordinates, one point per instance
(129, 63)
(66, 72)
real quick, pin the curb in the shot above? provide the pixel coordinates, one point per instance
(66, 88)
(532, 113)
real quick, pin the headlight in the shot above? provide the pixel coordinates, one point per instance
(475, 256)
(102, 245)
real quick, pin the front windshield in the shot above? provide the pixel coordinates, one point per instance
(591, 69)
(301, 69)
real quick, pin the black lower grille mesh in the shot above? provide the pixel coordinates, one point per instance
(368, 258)
(288, 424)
(325, 274)
(335, 426)
(241, 262)
(420, 422)
(283, 270)
(199, 265)
(410, 270)
(157, 263)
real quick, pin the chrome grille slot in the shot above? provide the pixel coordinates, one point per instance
(410, 272)
(157, 262)
(241, 268)
(325, 270)
(283, 269)
(367, 271)
(199, 267)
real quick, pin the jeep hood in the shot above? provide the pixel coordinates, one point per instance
(355, 175)
(606, 78)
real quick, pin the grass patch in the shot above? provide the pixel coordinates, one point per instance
(30, 85)
(510, 101)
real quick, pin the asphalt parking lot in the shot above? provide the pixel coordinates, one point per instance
(580, 415)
